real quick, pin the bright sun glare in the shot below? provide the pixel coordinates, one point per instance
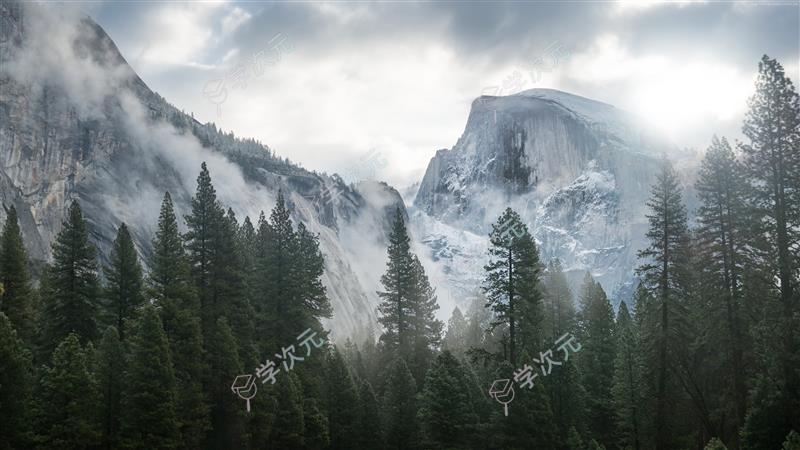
(685, 97)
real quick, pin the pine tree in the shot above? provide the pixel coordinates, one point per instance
(288, 431)
(315, 424)
(400, 408)
(455, 339)
(282, 313)
(566, 393)
(663, 273)
(396, 300)
(772, 127)
(124, 280)
(626, 387)
(530, 420)
(109, 375)
(72, 285)
(169, 281)
(370, 428)
(342, 403)
(310, 266)
(15, 388)
(721, 262)
(597, 359)
(149, 419)
(512, 283)
(169, 284)
(426, 330)
(445, 411)
(67, 400)
(224, 365)
(17, 296)
(204, 224)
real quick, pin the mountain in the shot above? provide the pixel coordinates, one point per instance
(577, 170)
(76, 123)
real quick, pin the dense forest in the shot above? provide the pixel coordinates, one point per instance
(220, 344)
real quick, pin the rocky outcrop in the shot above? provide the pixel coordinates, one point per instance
(76, 123)
(578, 171)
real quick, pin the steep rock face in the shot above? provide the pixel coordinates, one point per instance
(578, 171)
(77, 123)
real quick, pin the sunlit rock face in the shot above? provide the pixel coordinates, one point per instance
(76, 123)
(578, 172)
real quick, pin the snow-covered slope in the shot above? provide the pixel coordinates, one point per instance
(578, 171)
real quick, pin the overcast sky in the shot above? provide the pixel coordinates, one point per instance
(325, 83)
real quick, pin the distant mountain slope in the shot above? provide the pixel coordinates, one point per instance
(577, 170)
(76, 122)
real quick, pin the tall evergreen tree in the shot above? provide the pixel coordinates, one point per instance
(342, 404)
(124, 280)
(370, 428)
(663, 273)
(17, 295)
(288, 430)
(597, 359)
(67, 400)
(772, 161)
(626, 386)
(396, 300)
(109, 371)
(400, 408)
(72, 286)
(722, 258)
(315, 424)
(426, 330)
(15, 388)
(224, 365)
(565, 389)
(169, 284)
(455, 339)
(512, 283)
(149, 419)
(445, 411)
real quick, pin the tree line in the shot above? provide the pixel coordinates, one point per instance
(706, 354)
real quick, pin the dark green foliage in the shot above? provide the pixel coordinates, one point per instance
(71, 300)
(408, 306)
(342, 403)
(396, 299)
(445, 411)
(124, 282)
(315, 425)
(626, 387)
(149, 418)
(288, 429)
(169, 284)
(597, 359)
(15, 388)
(455, 339)
(400, 408)
(109, 370)
(664, 273)
(772, 161)
(512, 284)
(67, 400)
(370, 428)
(16, 300)
(224, 365)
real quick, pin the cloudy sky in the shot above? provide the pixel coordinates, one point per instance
(326, 83)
